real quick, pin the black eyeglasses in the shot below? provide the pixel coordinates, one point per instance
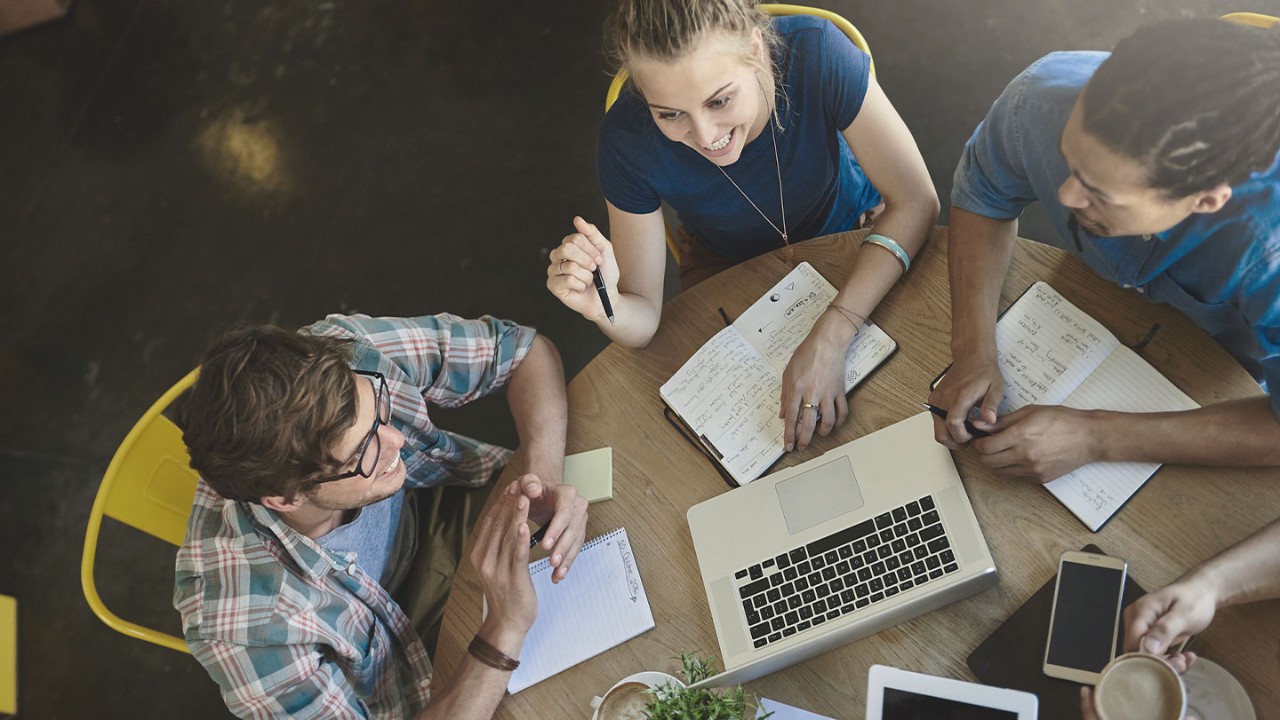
(366, 463)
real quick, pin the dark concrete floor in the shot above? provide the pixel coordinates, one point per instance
(171, 168)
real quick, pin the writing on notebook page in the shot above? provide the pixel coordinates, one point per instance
(782, 338)
(1053, 353)
(1047, 348)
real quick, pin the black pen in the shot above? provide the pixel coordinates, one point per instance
(538, 535)
(604, 294)
(942, 413)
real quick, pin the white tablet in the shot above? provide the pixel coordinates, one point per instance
(894, 694)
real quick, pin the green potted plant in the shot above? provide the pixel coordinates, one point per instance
(678, 702)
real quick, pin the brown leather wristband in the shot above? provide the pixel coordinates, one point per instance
(491, 656)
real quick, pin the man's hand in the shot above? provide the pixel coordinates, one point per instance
(1037, 442)
(814, 375)
(974, 380)
(1157, 620)
(501, 557)
(564, 512)
(1087, 710)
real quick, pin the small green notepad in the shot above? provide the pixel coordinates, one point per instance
(591, 472)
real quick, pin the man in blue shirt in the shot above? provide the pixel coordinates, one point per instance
(1157, 165)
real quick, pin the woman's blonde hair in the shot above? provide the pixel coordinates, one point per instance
(667, 30)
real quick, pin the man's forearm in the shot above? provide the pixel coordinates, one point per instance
(1238, 433)
(979, 249)
(539, 405)
(1247, 572)
(477, 688)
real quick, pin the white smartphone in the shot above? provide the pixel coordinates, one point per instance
(1086, 616)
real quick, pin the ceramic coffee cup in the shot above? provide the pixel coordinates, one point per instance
(628, 697)
(1140, 686)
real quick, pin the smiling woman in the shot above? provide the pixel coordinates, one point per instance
(758, 132)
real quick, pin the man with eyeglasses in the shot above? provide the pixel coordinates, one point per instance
(309, 576)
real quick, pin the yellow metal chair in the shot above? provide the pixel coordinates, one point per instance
(777, 10)
(1248, 18)
(149, 485)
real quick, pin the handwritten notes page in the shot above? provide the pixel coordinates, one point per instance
(1052, 353)
(599, 605)
(1047, 348)
(729, 392)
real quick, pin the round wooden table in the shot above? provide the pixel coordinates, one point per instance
(1182, 516)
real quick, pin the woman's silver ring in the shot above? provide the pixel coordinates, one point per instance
(560, 268)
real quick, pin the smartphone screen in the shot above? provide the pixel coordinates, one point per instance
(1085, 614)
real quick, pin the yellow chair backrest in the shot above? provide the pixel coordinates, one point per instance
(777, 10)
(149, 485)
(1248, 18)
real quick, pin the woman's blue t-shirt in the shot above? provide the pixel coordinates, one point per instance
(824, 81)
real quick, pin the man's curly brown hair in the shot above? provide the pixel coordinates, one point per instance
(266, 410)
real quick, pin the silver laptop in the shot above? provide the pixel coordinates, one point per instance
(869, 535)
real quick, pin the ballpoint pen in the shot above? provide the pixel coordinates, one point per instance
(604, 294)
(538, 535)
(942, 413)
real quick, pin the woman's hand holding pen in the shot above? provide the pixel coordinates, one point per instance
(571, 264)
(563, 515)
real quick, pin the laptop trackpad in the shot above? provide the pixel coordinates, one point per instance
(818, 495)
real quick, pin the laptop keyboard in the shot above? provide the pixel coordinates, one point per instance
(844, 571)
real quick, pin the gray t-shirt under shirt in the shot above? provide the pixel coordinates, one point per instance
(371, 536)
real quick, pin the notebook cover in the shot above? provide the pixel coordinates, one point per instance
(1013, 656)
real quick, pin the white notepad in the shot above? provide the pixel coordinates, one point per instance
(1052, 353)
(599, 605)
(729, 392)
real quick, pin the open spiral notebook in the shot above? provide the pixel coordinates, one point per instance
(600, 604)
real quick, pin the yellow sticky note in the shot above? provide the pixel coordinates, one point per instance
(8, 656)
(591, 472)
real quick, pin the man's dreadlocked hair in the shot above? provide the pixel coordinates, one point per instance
(1196, 101)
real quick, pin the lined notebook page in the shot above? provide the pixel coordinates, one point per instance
(1047, 347)
(599, 605)
(728, 394)
(780, 320)
(1127, 383)
(729, 391)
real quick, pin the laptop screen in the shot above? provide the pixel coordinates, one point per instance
(903, 705)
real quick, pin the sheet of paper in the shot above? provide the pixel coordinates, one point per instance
(1047, 347)
(599, 605)
(591, 473)
(780, 320)
(729, 394)
(1127, 383)
(782, 711)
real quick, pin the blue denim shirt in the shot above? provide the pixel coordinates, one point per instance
(1221, 269)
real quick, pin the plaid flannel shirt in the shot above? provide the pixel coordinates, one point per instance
(288, 629)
